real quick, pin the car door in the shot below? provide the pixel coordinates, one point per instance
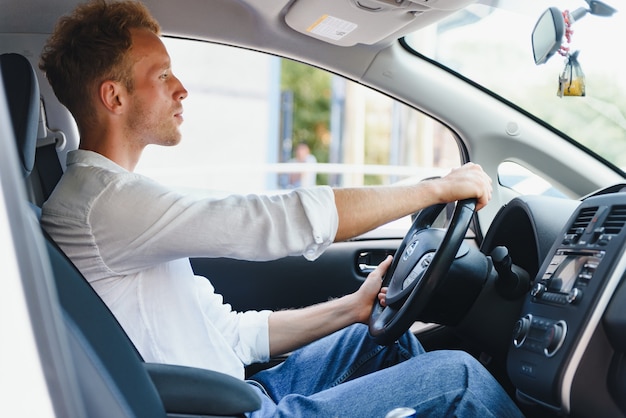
(248, 116)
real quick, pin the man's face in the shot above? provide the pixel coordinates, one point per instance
(155, 111)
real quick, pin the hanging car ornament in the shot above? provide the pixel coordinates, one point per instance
(572, 79)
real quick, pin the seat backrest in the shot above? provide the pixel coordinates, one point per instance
(113, 349)
(92, 325)
(23, 98)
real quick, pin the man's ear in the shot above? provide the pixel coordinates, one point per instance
(112, 96)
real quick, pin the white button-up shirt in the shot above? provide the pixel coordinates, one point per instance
(132, 239)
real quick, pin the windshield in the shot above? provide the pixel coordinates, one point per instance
(491, 45)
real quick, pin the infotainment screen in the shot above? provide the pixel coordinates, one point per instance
(567, 267)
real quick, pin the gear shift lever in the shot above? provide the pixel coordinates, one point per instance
(513, 281)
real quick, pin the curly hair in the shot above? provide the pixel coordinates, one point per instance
(90, 46)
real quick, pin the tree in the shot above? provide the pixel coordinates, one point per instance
(311, 89)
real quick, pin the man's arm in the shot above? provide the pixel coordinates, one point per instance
(360, 210)
(363, 209)
(292, 329)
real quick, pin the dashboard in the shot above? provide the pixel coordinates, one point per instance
(566, 350)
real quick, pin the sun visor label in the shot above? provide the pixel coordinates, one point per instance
(331, 27)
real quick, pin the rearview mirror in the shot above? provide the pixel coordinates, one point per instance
(549, 30)
(547, 35)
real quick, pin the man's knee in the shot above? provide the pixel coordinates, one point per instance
(454, 370)
(468, 370)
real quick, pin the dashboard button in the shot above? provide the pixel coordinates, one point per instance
(574, 295)
(554, 337)
(538, 289)
(528, 369)
(520, 330)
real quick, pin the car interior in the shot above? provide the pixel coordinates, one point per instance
(531, 285)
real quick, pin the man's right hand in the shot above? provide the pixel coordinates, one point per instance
(467, 181)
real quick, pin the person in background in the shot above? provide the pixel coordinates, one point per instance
(306, 178)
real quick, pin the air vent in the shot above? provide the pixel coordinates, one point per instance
(584, 218)
(616, 220)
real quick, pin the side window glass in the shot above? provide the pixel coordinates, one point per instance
(525, 182)
(257, 123)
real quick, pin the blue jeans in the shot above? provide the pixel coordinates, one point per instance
(348, 375)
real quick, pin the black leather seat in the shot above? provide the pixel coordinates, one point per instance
(103, 348)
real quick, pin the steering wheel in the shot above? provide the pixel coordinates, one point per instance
(418, 270)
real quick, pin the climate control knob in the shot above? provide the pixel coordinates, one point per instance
(520, 330)
(554, 337)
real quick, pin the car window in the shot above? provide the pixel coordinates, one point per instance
(490, 44)
(258, 123)
(524, 181)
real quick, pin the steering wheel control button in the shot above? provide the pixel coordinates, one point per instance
(410, 279)
(426, 260)
(418, 270)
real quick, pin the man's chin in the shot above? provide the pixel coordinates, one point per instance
(172, 141)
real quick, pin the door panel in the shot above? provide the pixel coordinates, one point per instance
(294, 282)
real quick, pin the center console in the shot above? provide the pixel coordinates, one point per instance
(567, 300)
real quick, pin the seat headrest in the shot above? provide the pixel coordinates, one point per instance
(22, 90)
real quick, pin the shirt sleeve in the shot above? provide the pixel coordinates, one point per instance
(246, 332)
(161, 225)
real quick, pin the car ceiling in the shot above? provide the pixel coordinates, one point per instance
(264, 25)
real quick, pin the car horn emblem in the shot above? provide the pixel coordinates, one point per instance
(410, 249)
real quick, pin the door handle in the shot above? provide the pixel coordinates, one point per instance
(368, 260)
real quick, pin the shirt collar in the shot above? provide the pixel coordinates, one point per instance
(90, 158)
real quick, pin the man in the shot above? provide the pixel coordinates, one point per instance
(131, 238)
(302, 154)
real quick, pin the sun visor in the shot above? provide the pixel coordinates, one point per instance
(350, 22)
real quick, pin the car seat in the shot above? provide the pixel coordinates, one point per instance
(110, 366)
